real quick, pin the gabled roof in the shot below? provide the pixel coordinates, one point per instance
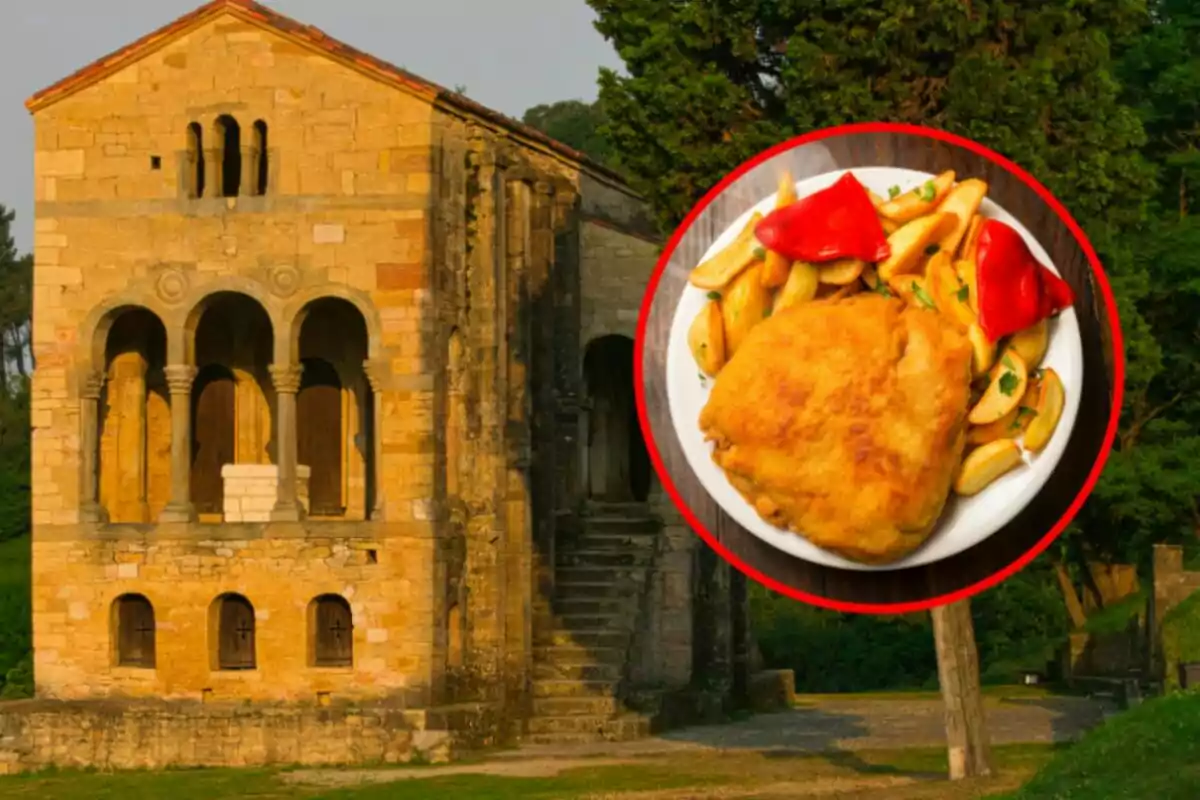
(319, 42)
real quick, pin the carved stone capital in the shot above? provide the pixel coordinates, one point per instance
(179, 378)
(286, 377)
(543, 187)
(92, 385)
(377, 371)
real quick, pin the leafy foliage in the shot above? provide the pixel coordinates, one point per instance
(16, 292)
(574, 123)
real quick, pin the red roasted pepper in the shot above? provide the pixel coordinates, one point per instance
(1015, 290)
(838, 222)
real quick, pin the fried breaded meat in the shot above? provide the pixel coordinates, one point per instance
(845, 421)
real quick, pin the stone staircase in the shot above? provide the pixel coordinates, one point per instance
(582, 652)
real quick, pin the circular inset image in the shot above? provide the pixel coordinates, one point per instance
(879, 368)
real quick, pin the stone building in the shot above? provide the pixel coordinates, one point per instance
(333, 411)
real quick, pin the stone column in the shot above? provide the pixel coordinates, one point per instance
(179, 385)
(250, 160)
(286, 378)
(376, 372)
(90, 509)
(214, 171)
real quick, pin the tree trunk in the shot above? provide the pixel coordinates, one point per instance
(958, 673)
(1070, 596)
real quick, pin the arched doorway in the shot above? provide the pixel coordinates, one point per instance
(618, 464)
(335, 409)
(134, 432)
(319, 436)
(214, 435)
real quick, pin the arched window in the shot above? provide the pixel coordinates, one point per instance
(260, 148)
(234, 622)
(195, 161)
(230, 141)
(133, 618)
(331, 632)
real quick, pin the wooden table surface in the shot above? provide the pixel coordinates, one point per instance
(916, 152)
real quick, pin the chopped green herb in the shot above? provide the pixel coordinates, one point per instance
(1006, 361)
(922, 297)
(760, 253)
(767, 312)
(892, 192)
(701, 375)
(964, 293)
(1022, 413)
(1008, 383)
(714, 295)
(928, 192)
(932, 249)
(882, 288)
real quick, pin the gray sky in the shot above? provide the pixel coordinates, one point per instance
(510, 54)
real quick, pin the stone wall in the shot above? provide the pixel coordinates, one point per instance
(36, 734)
(251, 490)
(615, 271)
(386, 576)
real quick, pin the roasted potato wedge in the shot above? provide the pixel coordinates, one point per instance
(732, 261)
(801, 286)
(985, 464)
(876, 200)
(971, 239)
(842, 291)
(909, 243)
(889, 227)
(1049, 408)
(870, 277)
(967, 275)
(842, 272)
(1012, 424)
(745, 304)
(918, 201)
(1032, 343)
(947, 291)
(1006, 386)
(912, 289)
(775, 266)
(706, 338)
(983, 350)
(963, 202)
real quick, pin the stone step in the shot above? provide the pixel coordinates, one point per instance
(562, 687)
(590, 574)
(596, 591)
(609, 536)
(595, 706)
(579, 654)
(640, 558)
(569, 606)
(600, 727)
(583, 637)
(558, 670)
(607, 508)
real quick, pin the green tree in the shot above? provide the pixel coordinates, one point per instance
(16, 290)
(574, 123)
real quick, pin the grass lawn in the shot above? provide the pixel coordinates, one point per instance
(1149, 753)
(893, 775)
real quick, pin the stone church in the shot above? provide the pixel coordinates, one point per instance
(335, 454)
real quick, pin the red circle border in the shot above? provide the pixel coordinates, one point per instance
(1118, 369)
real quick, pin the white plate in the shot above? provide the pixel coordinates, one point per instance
(966, 520)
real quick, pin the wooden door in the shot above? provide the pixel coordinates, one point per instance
(319, 436)
(135, 632)
(213, 436)
(235, 637)
(334, 634)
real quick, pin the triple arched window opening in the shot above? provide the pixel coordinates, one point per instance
(225, 161)
(233, 632)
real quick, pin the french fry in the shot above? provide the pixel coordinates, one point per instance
(910, 205)
(1032, 343)
(947, 291)
(775, 266)
(908, 245)
(1012, 424)
(706, 338)
(1007, 383)
(983, 351)
(801, 286)
(841, 272)
(1049, 408)
(967, 274)
(730, 262)
(971, 239)
(745, 304)
(963, 202)
(985, 464)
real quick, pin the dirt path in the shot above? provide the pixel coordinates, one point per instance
(817, 726)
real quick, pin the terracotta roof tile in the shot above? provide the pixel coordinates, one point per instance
(315, 38)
